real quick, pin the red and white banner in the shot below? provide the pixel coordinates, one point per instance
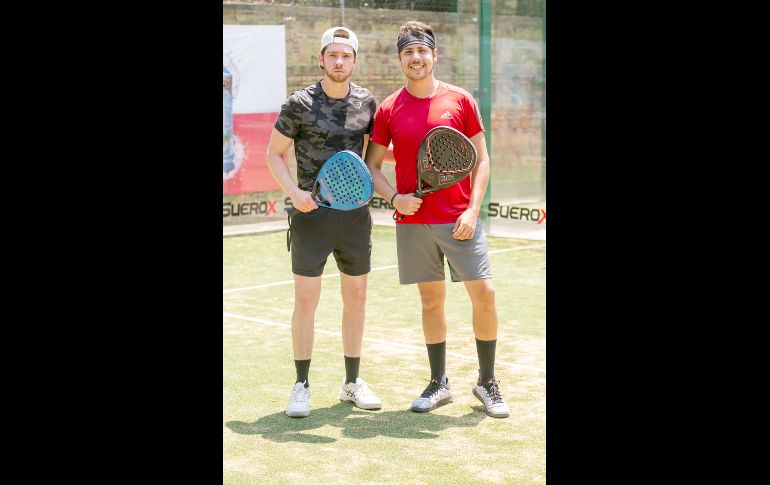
(255, 57)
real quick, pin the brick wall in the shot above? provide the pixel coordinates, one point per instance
(516, 67)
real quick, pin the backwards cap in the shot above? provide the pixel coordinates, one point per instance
(328, 38)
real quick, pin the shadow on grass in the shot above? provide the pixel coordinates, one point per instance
(355, 423)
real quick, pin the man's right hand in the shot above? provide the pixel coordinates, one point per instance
(303, 201)
(407, 204)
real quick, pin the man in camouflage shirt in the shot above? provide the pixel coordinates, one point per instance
(322, 119)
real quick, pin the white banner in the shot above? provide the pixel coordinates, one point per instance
(256, 57)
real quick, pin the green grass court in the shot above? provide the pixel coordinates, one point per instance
(338, 443)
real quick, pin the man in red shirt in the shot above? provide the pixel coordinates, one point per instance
(445, 222)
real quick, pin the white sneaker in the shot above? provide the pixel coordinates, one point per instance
(359, 394)
(435, 395)
(489, 394)
(299, 404)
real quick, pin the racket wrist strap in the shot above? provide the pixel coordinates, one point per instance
(392, 199)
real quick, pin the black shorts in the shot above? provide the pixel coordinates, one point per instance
(346, 234)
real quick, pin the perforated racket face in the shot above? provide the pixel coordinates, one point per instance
(445, 158)
(344, 182)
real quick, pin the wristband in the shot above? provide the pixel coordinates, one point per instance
(392, 199)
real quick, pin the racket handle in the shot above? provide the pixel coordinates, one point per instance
(417, 194)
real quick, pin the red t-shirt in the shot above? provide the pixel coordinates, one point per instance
(406, 119)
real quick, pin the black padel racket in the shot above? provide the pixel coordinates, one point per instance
(445, 158)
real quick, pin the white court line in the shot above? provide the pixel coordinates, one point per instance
(376, 340)
(379, 268)
(291, 282)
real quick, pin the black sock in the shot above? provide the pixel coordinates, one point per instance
(351, 368)
(437, 358)
(486, 352)
(303, 367)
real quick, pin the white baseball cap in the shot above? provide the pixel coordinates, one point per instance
(328, 38)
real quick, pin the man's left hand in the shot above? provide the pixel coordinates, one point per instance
(465, 226)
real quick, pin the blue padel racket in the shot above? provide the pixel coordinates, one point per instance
(343, 183)
(445, 158)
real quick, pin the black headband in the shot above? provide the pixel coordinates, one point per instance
(424, 39)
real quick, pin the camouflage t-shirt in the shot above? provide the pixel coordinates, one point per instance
(322, 126)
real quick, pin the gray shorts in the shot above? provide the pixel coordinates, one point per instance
(422, 247)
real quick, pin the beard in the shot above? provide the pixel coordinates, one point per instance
(337, 77)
